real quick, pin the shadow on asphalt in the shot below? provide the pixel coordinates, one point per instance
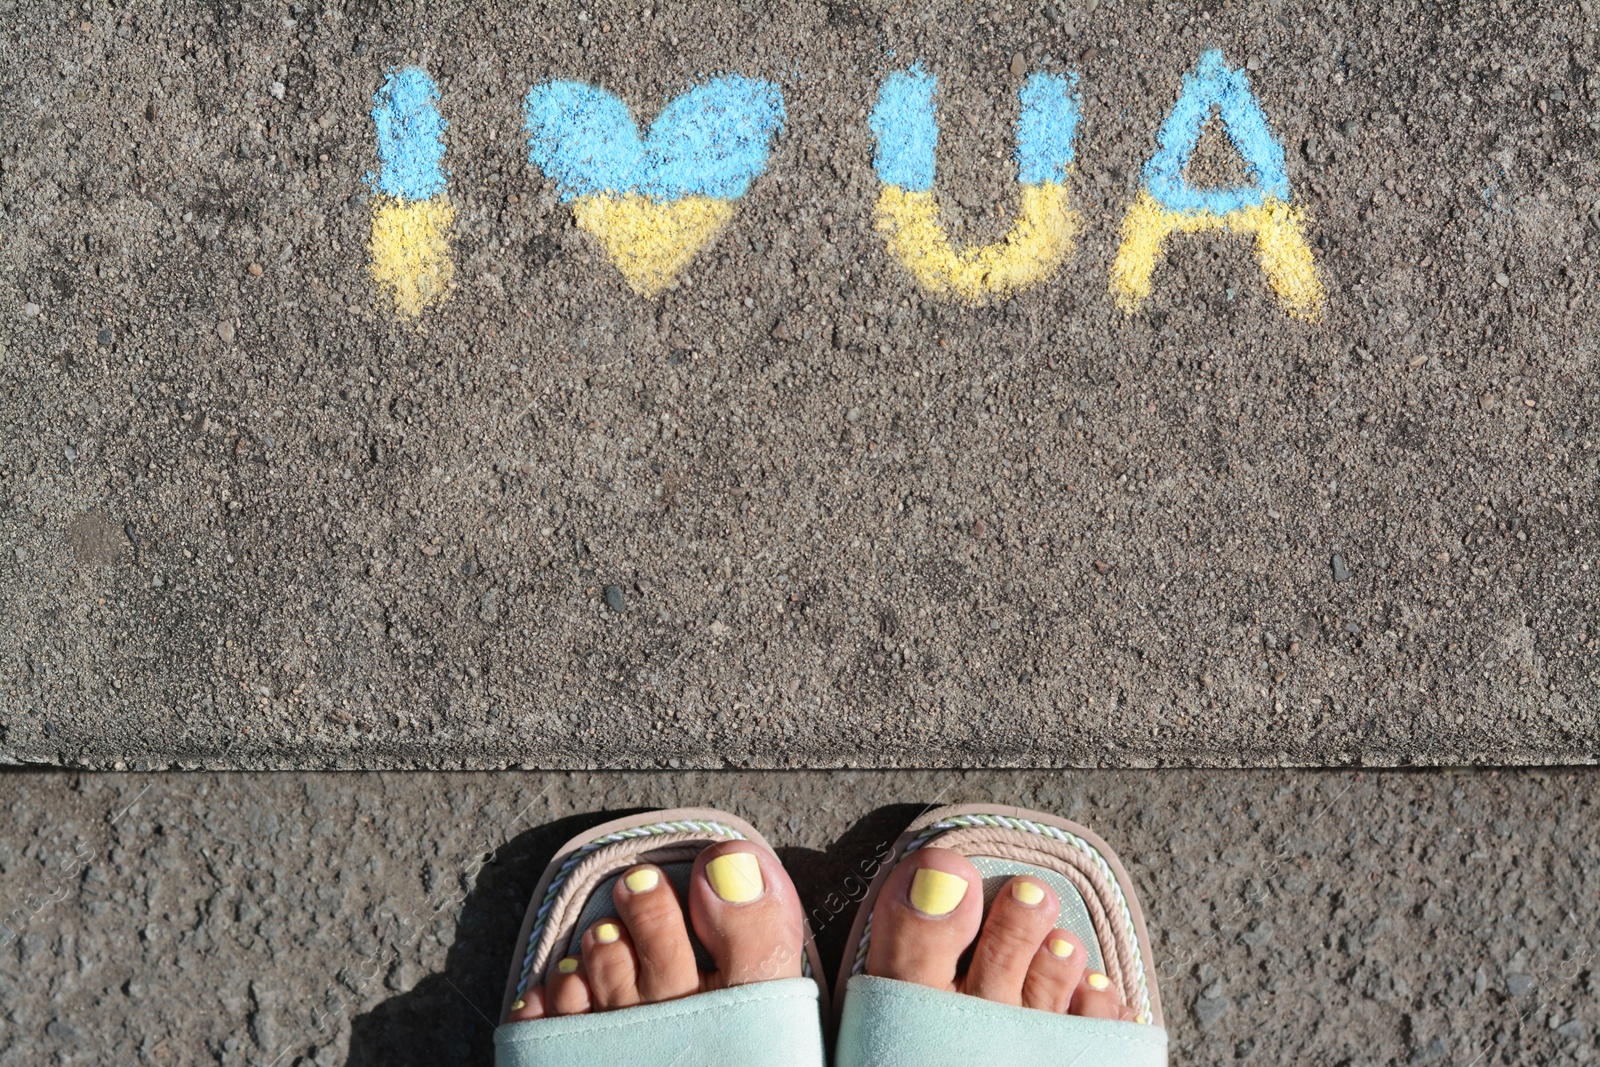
(450, 1017)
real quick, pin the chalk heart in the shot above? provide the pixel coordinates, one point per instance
(651, 242)
(653, 202)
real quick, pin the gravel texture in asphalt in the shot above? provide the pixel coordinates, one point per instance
(793, 509)
(1346, 917)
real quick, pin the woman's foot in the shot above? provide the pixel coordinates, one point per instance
(931, 909)
(744, 910)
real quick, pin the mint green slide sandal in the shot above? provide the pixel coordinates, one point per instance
(887, 1023)
(762, 1024)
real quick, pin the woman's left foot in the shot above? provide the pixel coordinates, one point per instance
(930, 912)
(744, 910)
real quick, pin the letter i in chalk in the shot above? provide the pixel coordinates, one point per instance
(1168, 203)
(412, 216)
(1041, 239)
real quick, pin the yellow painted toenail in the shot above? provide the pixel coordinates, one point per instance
(935, 892)
(1060, 946)
(606, 933)
(519, 1005)
(735, 877)
(642, 881)
(1099, 982)
(1027, 893)
(567, 966)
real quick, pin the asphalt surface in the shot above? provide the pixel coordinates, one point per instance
(252, 517)
(1352, 917)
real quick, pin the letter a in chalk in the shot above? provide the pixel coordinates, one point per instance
(907, 131)
(1168, 203)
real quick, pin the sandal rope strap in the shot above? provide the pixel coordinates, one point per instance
(999, 830)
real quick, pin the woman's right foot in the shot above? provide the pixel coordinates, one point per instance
(931, 909)
(744, 910)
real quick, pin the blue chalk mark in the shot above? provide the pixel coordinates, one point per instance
(410, 135)
(1210, 84)
(710, 141)
(1047, 129)
(907, 129)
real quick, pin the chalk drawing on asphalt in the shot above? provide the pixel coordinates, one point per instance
(1168, 204)
(906, 128)
(412, 216)
(653, 202)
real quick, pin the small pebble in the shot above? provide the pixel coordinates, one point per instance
(1019, 65)
(277, 90)
(254, 269)
(1341, 573)
(225, 331)
(31, 310)
(1503, 280)
(614, 599)
(489, 606)
(105, 337)
(1210, 1010)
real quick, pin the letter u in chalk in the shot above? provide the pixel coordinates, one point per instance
(1040, 239)
(412, 216)
(1169, 204)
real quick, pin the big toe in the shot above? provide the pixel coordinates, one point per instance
(747, 913)
(926, 915)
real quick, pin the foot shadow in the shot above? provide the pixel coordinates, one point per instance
(450, 1017)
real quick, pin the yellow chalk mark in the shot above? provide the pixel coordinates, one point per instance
(411, 250)
(1281, 249)
(651, 241)
(1039, 241)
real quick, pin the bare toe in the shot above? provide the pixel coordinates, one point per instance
(747, 914)
(1097, 998)
(609, 964)
(528, 1006)
(1022, 914)
(568, 993)
(651, 914)
(926, 915)
(1055, 972)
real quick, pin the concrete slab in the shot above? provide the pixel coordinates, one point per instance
(1297, 917)
(263, 507)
